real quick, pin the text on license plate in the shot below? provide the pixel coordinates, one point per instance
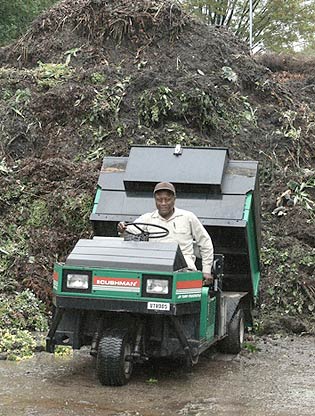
(159, 306)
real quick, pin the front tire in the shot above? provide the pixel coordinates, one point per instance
(232, 344)
(113, 364)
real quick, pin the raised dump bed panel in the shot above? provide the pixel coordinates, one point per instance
(223, 193)
(148, 165)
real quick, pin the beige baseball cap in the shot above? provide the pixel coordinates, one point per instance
(165, 186)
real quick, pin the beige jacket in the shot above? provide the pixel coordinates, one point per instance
(184, 228)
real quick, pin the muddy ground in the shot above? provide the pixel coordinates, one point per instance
(276, 380)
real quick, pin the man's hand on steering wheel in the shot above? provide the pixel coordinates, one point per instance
(121, 227)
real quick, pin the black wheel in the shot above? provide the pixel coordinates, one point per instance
(232, 344)
(113, 363)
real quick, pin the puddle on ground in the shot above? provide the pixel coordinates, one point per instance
(278, 380)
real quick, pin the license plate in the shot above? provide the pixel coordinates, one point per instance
(159, 306)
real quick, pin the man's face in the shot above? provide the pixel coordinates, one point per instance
(165, 201)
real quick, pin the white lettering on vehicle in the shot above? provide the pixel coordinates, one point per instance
(189, 296)
(158, 306)
(116, 283)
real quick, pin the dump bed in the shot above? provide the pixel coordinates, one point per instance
(223, 193)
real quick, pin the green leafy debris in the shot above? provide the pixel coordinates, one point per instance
(23, 311)
(50, 74)
(17, 345)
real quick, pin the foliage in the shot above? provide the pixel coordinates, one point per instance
(18, 100)
(154, 105)
(13, 245)
(71, 53)
(152, 380)
(277, 25)
(28, 216)
(22, 312)
(300, 194)
(64, 351)
(39, 214)
(250, 347)
(98, 78)
(229, 74)
(50, 74)
(285, 294)
(4, 168)
(75, 212)
(249, 113)
(16, 15)
(106, 104)
(291, 23)
(17, 345)
(288, 129)
(196, 107)
(209, 108)
(176, 134)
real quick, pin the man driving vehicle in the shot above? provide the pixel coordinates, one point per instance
(183, 226)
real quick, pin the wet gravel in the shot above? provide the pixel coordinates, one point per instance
(277, 379)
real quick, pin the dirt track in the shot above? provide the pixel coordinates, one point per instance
(278, 380)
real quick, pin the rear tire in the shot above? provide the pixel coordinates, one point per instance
(232, 344)
(111, 365)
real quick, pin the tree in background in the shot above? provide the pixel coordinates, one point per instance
(278, 25)
(16, 15)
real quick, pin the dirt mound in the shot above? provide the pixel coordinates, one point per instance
(92, 77)
(296, 73)
(288, 63)
(101, 23)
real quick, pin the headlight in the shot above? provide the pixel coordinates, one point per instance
(77, 281)
(157, 286)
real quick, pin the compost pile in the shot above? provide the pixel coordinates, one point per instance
(92, 77)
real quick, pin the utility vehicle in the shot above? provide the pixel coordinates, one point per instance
(135, 300)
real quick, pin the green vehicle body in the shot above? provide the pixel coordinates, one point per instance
(123, 321)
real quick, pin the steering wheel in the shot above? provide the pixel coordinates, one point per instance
(149, 234)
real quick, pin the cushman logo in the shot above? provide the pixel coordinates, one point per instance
(118, 282)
